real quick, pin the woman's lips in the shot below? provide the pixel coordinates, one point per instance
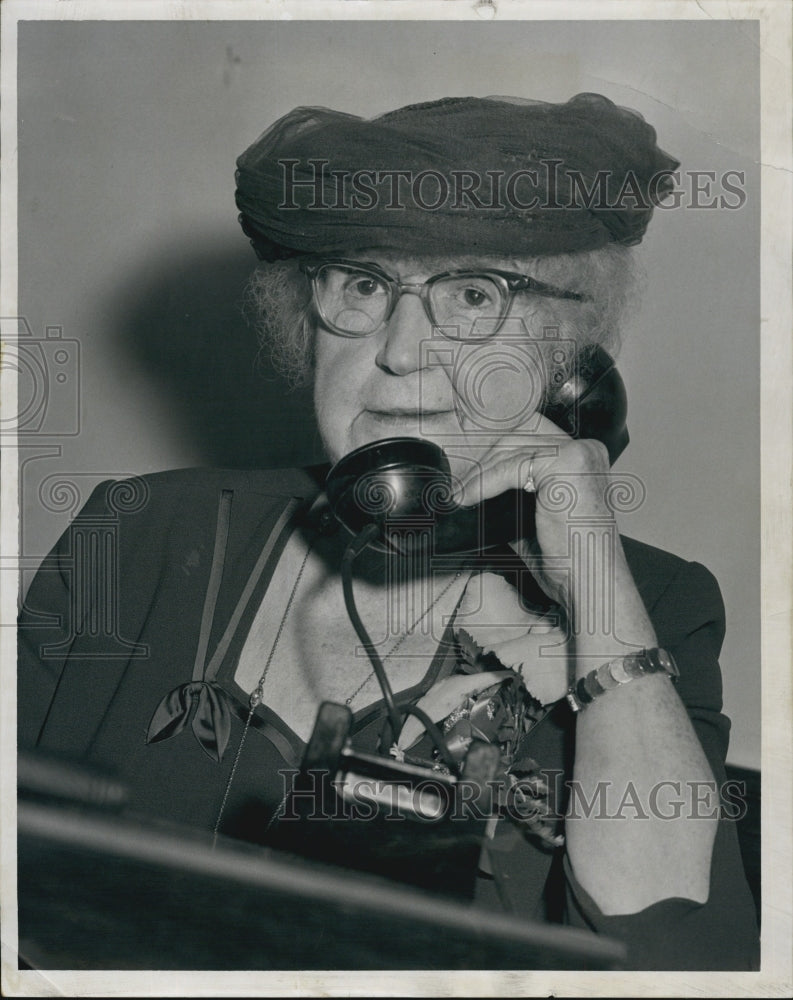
(400, 414)
(400, 418)
(403, 422)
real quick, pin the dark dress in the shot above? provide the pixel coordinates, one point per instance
(128, 607)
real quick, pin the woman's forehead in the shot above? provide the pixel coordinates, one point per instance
(403, 263)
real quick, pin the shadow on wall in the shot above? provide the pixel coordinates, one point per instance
(181, 320)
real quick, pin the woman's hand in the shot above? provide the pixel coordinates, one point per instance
(637, 736)
(569, 475)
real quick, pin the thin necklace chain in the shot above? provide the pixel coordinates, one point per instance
(256, 695)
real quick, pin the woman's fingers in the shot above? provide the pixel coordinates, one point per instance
(492, 465)
(508, 464)
(497, 472)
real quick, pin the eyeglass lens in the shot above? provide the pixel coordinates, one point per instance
(358, 301)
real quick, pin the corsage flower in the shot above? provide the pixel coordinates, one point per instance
(512, 667)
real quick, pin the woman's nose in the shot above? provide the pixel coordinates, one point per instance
(400, 350)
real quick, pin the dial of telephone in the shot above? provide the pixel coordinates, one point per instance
(404, 485)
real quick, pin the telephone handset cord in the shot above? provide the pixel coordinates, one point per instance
(353, 550)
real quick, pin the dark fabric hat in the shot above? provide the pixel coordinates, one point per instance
(465, 175)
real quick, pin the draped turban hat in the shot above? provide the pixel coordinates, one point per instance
(467, 175)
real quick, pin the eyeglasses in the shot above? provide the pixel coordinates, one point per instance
(355, 300)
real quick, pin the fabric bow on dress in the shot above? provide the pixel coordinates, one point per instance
(211, 720)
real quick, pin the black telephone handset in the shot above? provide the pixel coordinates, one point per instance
(404, 485)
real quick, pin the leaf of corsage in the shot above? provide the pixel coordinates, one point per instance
(523, 763)
(469, 650)
(443, 697)
(544, 831)
(472, 656)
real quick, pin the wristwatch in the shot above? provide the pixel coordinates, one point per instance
(619, 671)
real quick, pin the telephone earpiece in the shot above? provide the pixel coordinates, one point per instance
(404, 485)
(592, 402)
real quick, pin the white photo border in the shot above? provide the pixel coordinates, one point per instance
(775, 18)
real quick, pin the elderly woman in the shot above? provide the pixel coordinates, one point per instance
(439, 272)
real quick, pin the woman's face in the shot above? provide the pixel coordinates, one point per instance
(406, 379)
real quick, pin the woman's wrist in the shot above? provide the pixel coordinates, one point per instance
(606, 614)
(619, 671)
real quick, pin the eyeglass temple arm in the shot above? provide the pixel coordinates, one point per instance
(525, 283)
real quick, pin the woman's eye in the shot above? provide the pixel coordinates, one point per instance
(475, 297)
(364, 287)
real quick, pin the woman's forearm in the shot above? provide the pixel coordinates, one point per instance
(643, 811)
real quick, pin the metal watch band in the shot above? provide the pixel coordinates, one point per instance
(620, 671)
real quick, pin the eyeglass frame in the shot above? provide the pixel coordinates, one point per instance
(510, 283)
